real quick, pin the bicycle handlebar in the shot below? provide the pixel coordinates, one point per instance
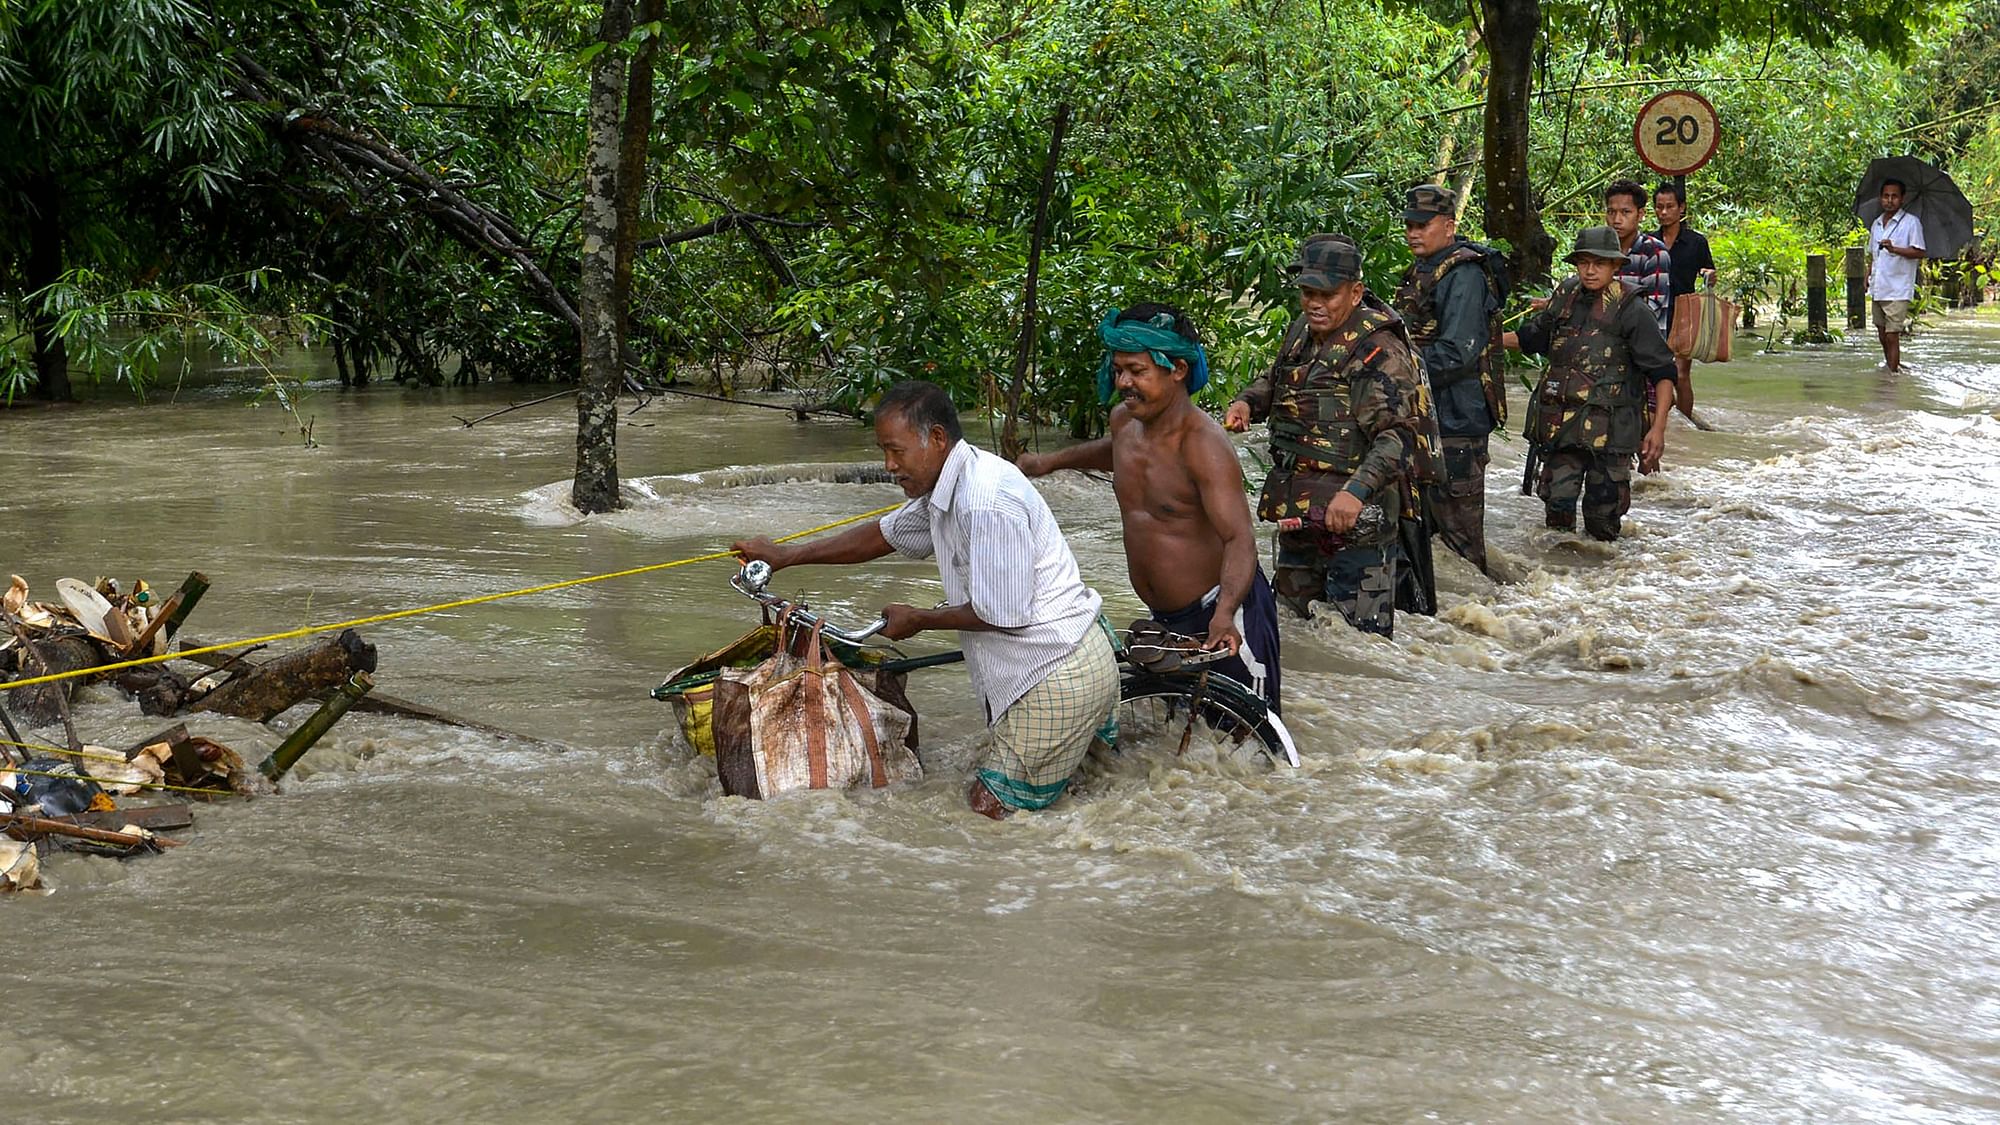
(750, 582)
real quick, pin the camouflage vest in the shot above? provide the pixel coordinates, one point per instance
(1416, 301)
(1591, 397)
(1316, 442)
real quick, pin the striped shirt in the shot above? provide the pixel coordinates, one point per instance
(1650, 265)
(998, 548)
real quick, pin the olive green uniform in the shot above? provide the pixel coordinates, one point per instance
(1588, 414)
(1451, 305)
(1349, 413)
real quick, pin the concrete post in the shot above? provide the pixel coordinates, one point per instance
(1855, 266)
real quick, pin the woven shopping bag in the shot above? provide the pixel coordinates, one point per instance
(1703, 323)
(800, 720)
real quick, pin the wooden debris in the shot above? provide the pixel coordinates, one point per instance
(301, 740)
(153, 818)
(143, 645)
(183, 602)
(375, 703)
(21, 826)
(264, 691)
(41, 705)
(194, 762)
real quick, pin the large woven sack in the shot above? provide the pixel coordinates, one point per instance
(804, 722)
(1702, 326)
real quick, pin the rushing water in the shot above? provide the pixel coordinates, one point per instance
(1699, 827)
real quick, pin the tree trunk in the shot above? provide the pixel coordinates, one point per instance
(632, 161)
(596, 486)
(45, 267)
(1511, 30)
(1011, 445)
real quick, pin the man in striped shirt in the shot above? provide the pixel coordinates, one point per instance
(1042, 667)
(1648, 264)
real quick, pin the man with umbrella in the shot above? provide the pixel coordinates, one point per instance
(1896, 244)
(1913, 211)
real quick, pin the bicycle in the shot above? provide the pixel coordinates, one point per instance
(1154, 695)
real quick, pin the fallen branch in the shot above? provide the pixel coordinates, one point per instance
(729, 221)
(374, 703)
(262, 692)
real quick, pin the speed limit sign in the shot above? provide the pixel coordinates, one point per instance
(1676, 132)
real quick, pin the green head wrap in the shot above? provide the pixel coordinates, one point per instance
(1157, 338)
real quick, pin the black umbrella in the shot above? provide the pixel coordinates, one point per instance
(1928, 194)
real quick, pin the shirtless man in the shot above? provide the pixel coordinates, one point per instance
(1189, 547)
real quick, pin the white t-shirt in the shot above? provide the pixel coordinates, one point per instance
(1894, 277)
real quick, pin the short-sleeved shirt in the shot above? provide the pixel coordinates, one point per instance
(999, 550)
(1691, 255)
(1650, 266)
(1894, 277)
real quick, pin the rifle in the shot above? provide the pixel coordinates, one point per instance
(1530, 470)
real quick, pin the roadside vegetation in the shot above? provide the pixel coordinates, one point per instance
(822, 197)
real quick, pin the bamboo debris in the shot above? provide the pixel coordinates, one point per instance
(315, 727)
(51, 797)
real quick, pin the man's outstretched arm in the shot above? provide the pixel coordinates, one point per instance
(1094, 454)
(859, 544)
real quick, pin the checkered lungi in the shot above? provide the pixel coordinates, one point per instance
(1041, 740)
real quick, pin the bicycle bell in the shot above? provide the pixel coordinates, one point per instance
(756, 575)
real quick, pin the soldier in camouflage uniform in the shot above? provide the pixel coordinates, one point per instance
(1450, 299)
(1352, 441)
(1587, 417)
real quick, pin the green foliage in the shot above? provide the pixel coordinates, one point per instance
(136, 337)
(1760, 261)
(892, 153)
(1195, 193)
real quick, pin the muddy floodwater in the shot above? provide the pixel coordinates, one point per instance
(1699, 827)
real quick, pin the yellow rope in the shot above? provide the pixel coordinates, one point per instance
(48, 749)
(398, 615)
(116, 781)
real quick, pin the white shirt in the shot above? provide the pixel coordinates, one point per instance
(999, 549)
(1894, 277)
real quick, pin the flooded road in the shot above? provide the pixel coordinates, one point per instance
(1700, 827)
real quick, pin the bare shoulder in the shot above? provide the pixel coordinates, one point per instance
(1206, 448)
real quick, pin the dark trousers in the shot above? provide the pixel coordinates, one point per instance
(1359, 581)
(1603, 480)
(1259, 629)
(1458, 505)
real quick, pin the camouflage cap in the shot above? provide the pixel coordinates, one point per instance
(1597, 242)
(1325, 261)
(1427, 201)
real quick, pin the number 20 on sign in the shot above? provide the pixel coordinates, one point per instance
(1676, 132)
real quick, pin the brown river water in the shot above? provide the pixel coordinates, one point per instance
(1700, 827)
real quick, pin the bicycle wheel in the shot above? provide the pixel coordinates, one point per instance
(1159, 705)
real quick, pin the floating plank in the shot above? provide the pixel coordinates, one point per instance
(158, 818)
